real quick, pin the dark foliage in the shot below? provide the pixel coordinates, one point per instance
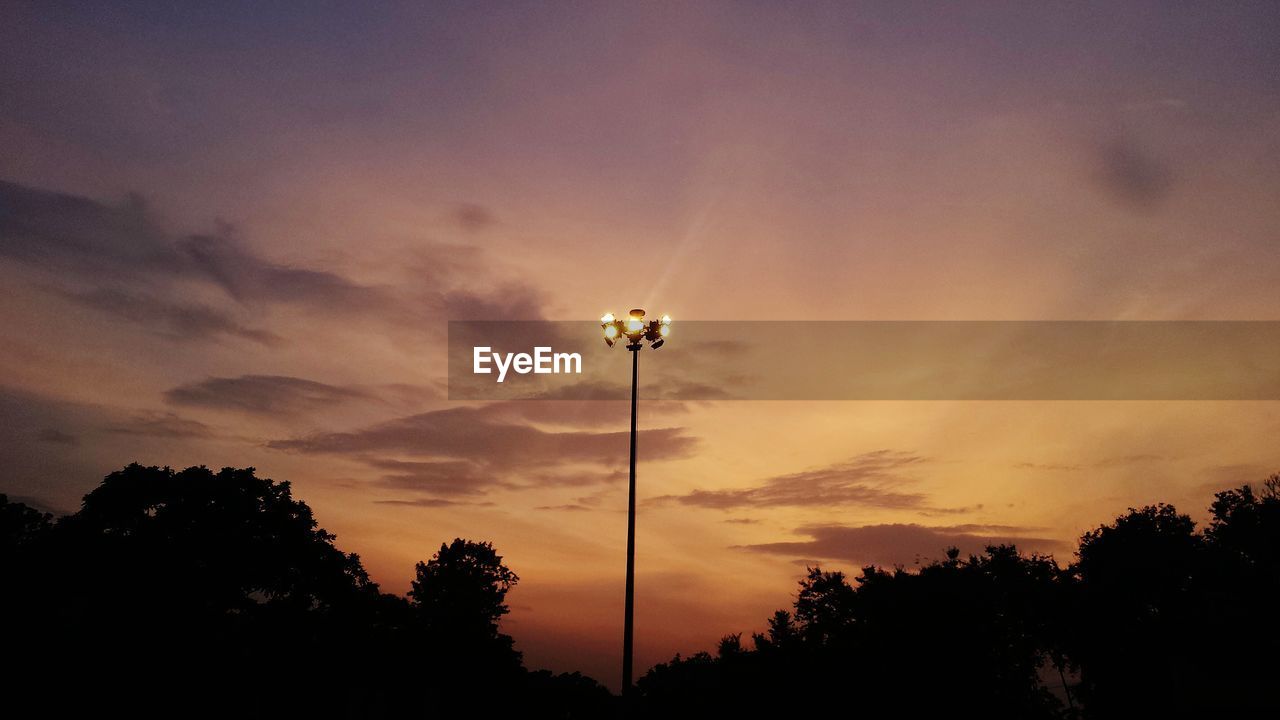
(199, 593)
(196, 593)
(1167, 620)
(1154, 619)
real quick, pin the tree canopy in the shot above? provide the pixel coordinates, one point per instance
(1153, 618)
(200, 592)
(218, 593)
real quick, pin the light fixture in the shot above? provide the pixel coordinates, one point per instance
(635, 329)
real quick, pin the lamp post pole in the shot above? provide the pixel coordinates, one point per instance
(628, 626)
(637, 331)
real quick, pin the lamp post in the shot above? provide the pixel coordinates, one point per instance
(636, 331)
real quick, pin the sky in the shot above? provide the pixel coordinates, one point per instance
(234, 234)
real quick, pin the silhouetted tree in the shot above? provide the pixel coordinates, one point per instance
(457, 600)
(782, 633)
(20, 525)
(23, 532)
(1246, 528)
(824, 606)
(199, 593)
(1170, 621)
(166, 584)
(195, 592)
(961, 633)
(463, 586)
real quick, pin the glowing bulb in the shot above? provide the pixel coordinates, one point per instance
(608, 318)
(664, 330)
(635, 325)
(666, 319)
(611, 331)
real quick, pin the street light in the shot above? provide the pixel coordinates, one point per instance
(636, 331)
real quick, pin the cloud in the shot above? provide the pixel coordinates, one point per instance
(472, 217)
(432, 502)
(902, 544)
(868, 479)
(1125, 460)
(1104, 463)
(57, 437)
(1158, 104)
(176, 321)
(55, 450)
(248, 278)
(38, 461)
(581, 478)
(506, 301)
(262, 394)
(569, 507)
(117, 258)
(580, 504)
(77, 235)
(28, 417)
(440, 477)
(1132, 176)
(470, 450)
(475, 433)
(685, 390)
(1229, 476)
(944, 511)
(571, 413)
(94, 240)
(1066, 467)
(159, 424)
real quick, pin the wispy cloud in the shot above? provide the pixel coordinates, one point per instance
(438, 477)
(57, 437)
(901, 544)
(480, 433)
(1132, 175)
(119, 260)
(262, 394)
(567, 507)
(471, 450)
(432, 502)
(870, 479)
(176, 320)
(161, 424)
(1101, 464)
(472, 217)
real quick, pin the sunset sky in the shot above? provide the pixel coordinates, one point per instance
(233, 234)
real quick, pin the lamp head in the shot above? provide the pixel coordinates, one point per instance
(635, 329)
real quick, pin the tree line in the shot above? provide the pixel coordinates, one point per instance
(196, 592)
(1153, 618)
(179, 593)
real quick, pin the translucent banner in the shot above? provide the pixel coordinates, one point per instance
(871, 360)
